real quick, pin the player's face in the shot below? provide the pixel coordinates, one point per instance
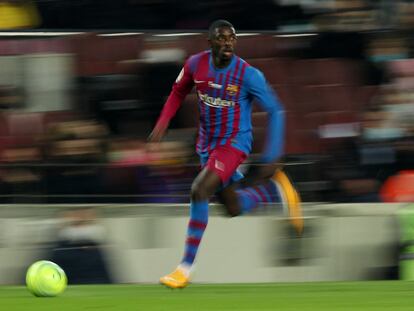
(223, 43)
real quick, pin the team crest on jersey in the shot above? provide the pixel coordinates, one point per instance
(232, 89)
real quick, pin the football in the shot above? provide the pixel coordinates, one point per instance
(46, 279)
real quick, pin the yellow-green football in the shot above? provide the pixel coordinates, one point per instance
(46, 279)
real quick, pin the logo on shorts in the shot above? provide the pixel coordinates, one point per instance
(219, 165)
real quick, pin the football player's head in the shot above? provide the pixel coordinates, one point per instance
(222, 39)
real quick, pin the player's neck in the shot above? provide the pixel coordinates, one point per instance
(221, 63)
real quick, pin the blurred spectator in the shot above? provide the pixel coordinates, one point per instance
(160, 63)
(350, 180)
(375, 149)
(10, 97)
(405, 14)
(76, 150)
(380, 126)
(388, 47)
(348, 15)
(391, 193)
(399, 188)
(78, 248)
(21, 178)
(157, 172)
(114, 100)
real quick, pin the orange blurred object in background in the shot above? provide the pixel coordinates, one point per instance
(399, 188)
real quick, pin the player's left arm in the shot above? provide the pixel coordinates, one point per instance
(269, 102)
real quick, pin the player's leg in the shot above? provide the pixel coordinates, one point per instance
(202, 189)
(240, 201)
(229, 198)
(276, 189)
(218, 169)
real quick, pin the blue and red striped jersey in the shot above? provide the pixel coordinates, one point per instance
(225, 97)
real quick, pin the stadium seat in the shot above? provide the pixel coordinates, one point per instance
(25, 124)
(326, 71)
(276, 70)
(262, 46)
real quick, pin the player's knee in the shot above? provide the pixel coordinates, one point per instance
(198, 192)
(228, 198)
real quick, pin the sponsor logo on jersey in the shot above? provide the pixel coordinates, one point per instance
(232, 89)
(216, 102)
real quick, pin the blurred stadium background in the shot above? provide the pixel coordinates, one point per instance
(82, 83)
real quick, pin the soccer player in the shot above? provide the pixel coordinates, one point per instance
(226, 86)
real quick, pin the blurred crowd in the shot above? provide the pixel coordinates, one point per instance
(78, 161)
(185, 14)
(75, 111)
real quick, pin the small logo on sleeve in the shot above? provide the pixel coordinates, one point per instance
(180, 76)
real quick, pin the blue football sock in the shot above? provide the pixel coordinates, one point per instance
(250, 197)
(196, 226)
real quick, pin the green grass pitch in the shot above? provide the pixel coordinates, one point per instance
(364, 296)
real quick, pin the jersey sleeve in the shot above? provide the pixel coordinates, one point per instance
(181, 87)
(268, 101)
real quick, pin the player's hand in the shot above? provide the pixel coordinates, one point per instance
(158, 133)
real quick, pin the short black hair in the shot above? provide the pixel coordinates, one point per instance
(218, 24)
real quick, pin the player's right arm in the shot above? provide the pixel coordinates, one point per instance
(181, 87)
